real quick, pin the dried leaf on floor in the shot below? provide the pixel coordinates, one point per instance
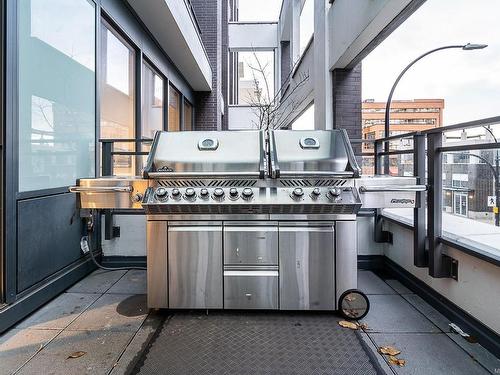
(396, 361)
(350, 325)
(76, 354)
(389, 350)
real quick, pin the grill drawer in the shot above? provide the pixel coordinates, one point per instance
(252, 245)
(251, 290)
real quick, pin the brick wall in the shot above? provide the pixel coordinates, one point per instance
(208, 107)
(224, 61)
(347, 102)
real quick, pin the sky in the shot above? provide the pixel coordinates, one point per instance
(469, 81)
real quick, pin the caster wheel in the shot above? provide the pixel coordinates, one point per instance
(353, 304)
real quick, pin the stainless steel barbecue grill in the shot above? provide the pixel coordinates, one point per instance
(252, 219)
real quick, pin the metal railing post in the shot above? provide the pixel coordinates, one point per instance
(434, 210)
(420, 256)
(107, 158)
(377, 158)
(107, 170)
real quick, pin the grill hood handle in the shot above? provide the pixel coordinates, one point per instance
(101, 189)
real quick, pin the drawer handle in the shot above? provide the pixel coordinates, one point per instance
(248, 295)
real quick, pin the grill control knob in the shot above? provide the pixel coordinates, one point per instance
(218, 193)
(298, 192)
(161, 193)
(233, 192)
(204, 193)
(190, 193)
(334, 192)
(176, 193)
(316, 192)
(247, 193)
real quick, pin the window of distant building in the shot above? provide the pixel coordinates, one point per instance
(251, 77)
(460, 203)
(459, 180)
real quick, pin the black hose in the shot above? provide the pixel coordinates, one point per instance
(89, 235)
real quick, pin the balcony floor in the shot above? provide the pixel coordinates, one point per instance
(105, 316)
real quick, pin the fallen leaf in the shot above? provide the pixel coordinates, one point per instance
(76, 354)
(350, 325)
(388, 350)
(396, 361)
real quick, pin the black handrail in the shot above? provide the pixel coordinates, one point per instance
(430, 160)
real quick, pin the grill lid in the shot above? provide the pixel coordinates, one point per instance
(207, 154)
(311, 153)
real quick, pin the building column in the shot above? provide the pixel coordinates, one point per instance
(209, 105)
(322, 81)
(346, 92)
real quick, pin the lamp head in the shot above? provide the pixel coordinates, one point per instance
(472, 46)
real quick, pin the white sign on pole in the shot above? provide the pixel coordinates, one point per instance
(492, 201)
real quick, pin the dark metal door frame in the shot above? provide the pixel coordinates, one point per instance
(10, 174)
(2, 46)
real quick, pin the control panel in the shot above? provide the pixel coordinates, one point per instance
(253, 195)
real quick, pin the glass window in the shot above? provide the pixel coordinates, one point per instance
(188, 116)
(174, 110)
(56, 92)
(152, 102)
(252, 78)
(255, 10)
(306, 24)
(118, 97)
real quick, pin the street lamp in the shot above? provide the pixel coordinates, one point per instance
(465, 47)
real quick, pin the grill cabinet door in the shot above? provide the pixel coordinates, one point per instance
(306, 267)
(253, 245)
(195, 266)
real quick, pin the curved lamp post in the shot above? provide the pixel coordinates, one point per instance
(465, 47)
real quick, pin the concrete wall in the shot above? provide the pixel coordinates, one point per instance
(242, 117)
(355, 24)
(171, 24)
(253, 35)
(476, 290)
(132, 240)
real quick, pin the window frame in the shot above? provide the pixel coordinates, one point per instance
(250, 49)
(146, 61)
(141, 57)
(105, 21)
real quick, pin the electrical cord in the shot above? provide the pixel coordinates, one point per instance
(87, 248)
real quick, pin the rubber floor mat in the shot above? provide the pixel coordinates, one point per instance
(256, 343)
